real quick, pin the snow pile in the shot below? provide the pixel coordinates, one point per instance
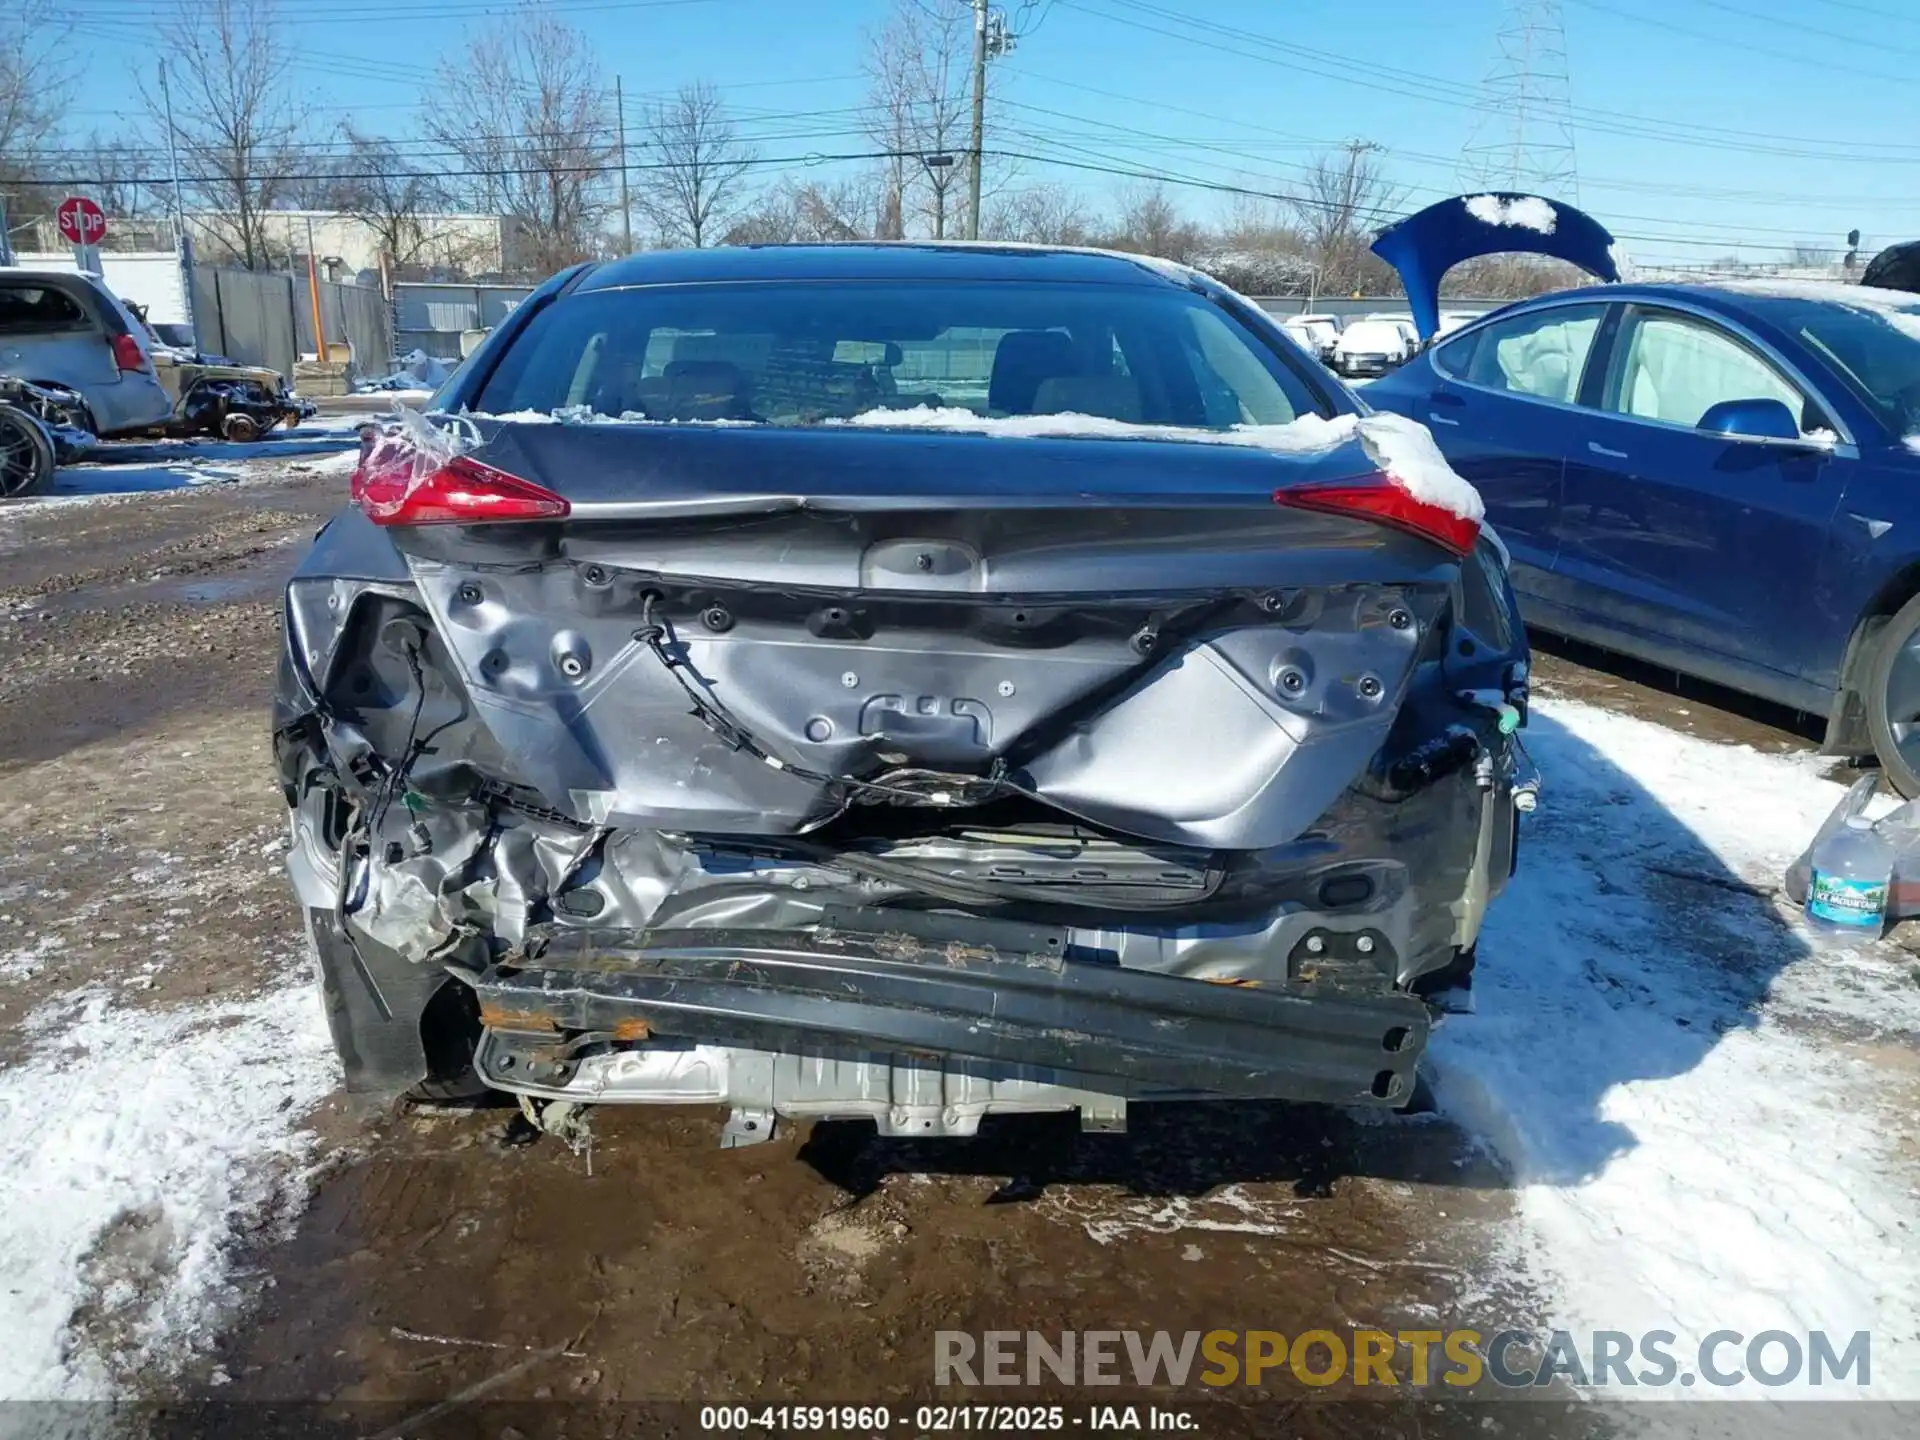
(136, 1149)
(1527, 212)
(1704, 1115)
(417, 371)
(1405, 451)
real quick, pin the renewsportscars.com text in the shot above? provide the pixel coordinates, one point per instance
(1510, 1359)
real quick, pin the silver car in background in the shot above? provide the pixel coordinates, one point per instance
(70, 330)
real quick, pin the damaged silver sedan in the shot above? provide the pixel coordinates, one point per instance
(903, 682)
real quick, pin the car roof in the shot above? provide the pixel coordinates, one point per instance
(886, 260)
(59, 279)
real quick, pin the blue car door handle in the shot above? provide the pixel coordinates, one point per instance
(1597, 448)
(1447, 398)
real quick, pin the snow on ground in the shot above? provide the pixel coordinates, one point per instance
(1709, 1120)
(122, 1216)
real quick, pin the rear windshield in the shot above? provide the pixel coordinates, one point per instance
(800, 354)
(37, 307)
(1876, 347)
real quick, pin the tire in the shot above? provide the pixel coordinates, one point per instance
(26, 455)
(239, 428)
(467, 1090)
(449, 1028)
(1891, 698)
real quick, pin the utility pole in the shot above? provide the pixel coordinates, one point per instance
(979, 116)
(182, 242)
(173, 154)
(1521, 137)
(626, 204)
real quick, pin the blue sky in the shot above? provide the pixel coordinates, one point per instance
(1703, 127)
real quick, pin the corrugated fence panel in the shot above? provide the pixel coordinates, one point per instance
(431, 317)
(354, 313)
(250, 312)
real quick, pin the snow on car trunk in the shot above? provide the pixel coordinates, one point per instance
(1703, 1112)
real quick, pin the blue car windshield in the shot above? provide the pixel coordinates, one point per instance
(1876, 347)
(807, 353)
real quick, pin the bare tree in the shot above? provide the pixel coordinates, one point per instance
(121, 177)
(790, 214)
(237, 117)
(1149, 223)
(919, 101)
(534, 126)
(1343, 201)
(36, 77)
(1039, 215)
(388, 193)
(695, 166)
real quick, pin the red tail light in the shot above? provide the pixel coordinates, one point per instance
(462, 491)
(1379, 499)
(127, 354)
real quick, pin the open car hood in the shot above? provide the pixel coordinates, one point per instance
(1424, 246)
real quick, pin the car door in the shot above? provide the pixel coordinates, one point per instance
(1698, 549)
(1502, 398)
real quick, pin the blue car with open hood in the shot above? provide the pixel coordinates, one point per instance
(1723, 480)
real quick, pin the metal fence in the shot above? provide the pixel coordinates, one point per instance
(356, 314)
(246, 314)
(432, 317)
(266, 318)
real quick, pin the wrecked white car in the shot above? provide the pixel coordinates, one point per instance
(906, 682)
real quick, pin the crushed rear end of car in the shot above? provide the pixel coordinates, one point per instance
(901, 683)
(890, 800)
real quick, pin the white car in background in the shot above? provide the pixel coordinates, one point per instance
(1316, 334)
(1374, 345)
(1452, 320)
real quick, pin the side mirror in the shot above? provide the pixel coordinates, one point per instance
(1750, 420)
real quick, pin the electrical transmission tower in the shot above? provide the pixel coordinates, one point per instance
(1522, 132)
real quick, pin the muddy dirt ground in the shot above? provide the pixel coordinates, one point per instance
(137, 643)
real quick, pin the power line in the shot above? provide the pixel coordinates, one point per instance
(1523, 134)
(1437, 91)
(1810, 62)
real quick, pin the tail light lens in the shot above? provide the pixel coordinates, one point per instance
(127, 354)
(461, 491)
(1379, 499)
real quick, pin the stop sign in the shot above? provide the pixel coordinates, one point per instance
(81, 221)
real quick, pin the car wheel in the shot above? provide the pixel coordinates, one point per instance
(449, 1029)
(26, 455)
(1893, 699)
(240, 428)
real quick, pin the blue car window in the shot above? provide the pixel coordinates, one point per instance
(1674, 369)
(1541, 353)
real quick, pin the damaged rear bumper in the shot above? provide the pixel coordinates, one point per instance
(1007, 1007)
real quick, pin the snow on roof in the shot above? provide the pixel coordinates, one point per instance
(1899, 308)
(1529, 212)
